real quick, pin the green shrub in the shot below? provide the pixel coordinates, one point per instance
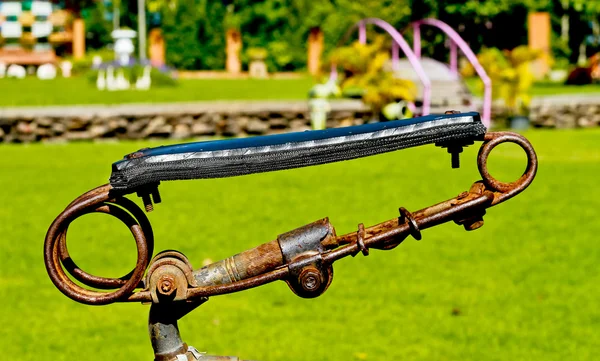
(510, 72)
(82, 66)
(256, 53)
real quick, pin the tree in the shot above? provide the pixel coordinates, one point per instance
(211, 34)
(98, 29)
(180, 27)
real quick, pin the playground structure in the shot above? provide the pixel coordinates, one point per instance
(31, 32)
(420, 65)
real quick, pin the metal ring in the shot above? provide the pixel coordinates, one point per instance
(507, 190)
(412, 223)
(100, 200)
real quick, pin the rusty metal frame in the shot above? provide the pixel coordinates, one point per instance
(303, 258)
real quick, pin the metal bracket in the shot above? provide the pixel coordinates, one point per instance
(305, 240)
(169, 276)
(302, 250)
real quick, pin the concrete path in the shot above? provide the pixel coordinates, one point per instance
(233, 107)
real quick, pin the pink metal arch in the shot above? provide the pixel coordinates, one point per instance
(457, 40)
(399, 42)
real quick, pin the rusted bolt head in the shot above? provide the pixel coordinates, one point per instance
(473, 224)
(310, 279)
(166, 285)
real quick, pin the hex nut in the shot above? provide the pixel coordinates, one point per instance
(166, 285)
(310, 279)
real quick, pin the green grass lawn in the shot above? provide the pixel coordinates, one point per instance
(523, 287)
(541, 88)
(78, 90)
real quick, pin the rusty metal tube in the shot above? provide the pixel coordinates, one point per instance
(250, 263)
(164, 332)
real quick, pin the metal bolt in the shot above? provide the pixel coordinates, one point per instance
(455, 151)
(166, 285)
(455, 160)
(473, 223)
(310, 279)
(156, 196)
(147, 202)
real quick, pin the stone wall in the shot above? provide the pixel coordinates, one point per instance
(192, 120)
(577, 114)
(163, 126)
(176, 121)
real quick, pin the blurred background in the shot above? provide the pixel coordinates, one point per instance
(82, 83)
